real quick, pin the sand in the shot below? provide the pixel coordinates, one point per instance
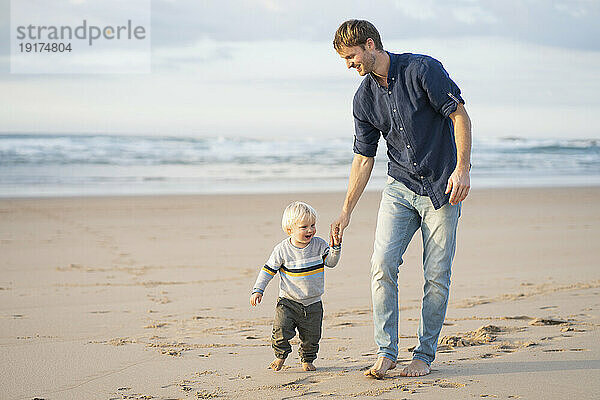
(147, 298)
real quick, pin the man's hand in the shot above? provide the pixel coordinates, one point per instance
(336, 231)
(459, 182)
(256, 298)
(334, 237)
(458, 186)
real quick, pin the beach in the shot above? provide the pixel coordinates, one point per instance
(147, 297)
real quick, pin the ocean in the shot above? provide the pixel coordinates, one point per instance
(88, 165)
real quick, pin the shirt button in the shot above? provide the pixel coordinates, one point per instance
(422, 177)
(408, 146)
(415, 164)
(401, 128)
(392, 78)
(389, 92)
(394, 110)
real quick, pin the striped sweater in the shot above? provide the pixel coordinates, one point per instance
(301, 271)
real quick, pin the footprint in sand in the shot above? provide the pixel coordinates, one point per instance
(206, 372)
(156, 325)
(518, 317)
(239, 377)
(547, 321)
(511, 347)
(172, 352)
(554, 350)
(571, 329)
(120, 341)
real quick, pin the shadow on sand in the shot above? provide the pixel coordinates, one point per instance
(510, 367)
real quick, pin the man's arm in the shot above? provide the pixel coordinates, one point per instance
(359, 176)
(459, 182)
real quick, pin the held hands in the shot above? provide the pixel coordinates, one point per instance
(256, 298)
(458, 186)
(335, 239)
(336, 230)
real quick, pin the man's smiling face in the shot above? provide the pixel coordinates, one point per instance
(356, 57)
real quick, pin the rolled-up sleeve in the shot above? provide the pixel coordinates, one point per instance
(366, 136)
(444, 94)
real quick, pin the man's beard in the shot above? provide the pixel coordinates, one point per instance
(369, 66)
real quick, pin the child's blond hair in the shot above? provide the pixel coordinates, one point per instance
(296, 211)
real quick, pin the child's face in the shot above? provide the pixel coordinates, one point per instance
(302, 231)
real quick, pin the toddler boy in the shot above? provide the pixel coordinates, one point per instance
(300, 259)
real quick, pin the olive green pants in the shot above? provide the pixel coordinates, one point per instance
(291, 315)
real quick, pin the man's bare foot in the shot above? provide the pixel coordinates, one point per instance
(308, 366)
(277, 364)
(381, 366)
(416, 368)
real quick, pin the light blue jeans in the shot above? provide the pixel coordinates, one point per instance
(401, 213)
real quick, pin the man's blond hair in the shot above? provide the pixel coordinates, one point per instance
(355, 32)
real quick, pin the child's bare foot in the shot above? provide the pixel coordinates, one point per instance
(308, 366)
(382, 365)
(277, 364)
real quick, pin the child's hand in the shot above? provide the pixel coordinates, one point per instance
(334, 239)
(255, 299)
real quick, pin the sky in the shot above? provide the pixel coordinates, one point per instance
(267, 68)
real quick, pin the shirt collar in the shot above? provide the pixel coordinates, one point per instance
(391, 70)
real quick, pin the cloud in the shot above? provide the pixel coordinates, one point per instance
(577, 9)
(259, 66)
(474, 14)
(422, 10)
(568, 24)
(571, 24)
(295, 87)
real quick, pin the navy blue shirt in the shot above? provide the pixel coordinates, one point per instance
(412, 115)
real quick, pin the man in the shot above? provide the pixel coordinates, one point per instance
(411, 101)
